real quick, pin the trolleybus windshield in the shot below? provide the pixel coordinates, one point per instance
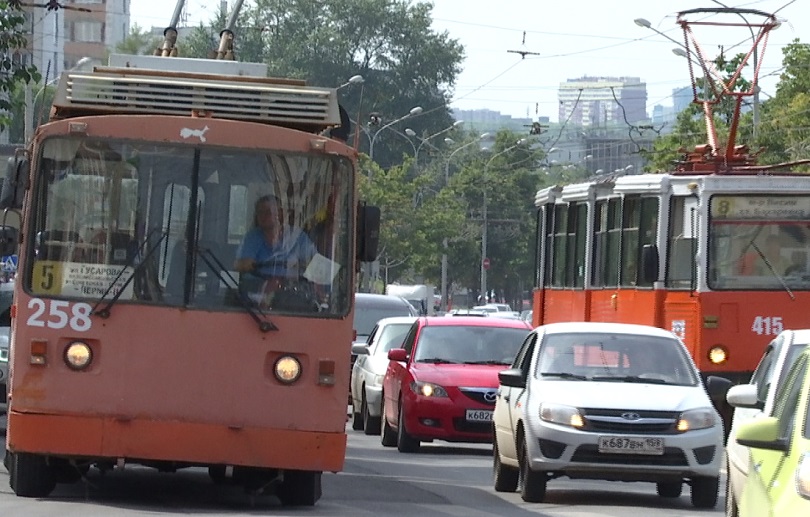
(161, 224)
(759, 242)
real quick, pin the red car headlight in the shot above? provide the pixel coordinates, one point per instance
(428, 389)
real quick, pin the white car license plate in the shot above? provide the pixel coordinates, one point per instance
(631, 445)
(479, 415)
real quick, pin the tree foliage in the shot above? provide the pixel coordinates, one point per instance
(784, 131)
(139, 41)
(13, 72)
(389, 42)
(690, 124)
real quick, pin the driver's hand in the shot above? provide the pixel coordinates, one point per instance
(245, 265)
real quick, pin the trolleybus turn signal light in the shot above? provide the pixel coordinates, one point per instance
(39, 351)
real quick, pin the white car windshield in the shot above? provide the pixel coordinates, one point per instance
(615, 357)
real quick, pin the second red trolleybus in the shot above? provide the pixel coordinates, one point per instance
(716, 250)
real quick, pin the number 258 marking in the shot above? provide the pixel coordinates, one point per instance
(60, 314)
(767, 325)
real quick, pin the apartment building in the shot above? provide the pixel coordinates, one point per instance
(59, 38)
(602, 101)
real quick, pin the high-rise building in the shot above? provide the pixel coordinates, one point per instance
(95, 33)
(59, 38)
(603, 101)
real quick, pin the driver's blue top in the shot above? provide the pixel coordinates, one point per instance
(288, 257)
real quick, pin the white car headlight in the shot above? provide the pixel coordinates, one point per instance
(3, 355)
(428, 389)
(803, 476)
(561, 414)
(701, 418)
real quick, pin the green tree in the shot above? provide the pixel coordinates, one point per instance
(690, 125)
(13, 72)
(139, 42)
(784, 130)
(389, 42)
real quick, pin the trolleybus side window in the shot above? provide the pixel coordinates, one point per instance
(682, 244)
(568, 245)
(607, 235)
(638, 229)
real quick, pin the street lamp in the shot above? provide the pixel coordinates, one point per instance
(416, 110)
(484, 215)
(447, 163)
(443, 306)
(411, 132)
(30, 102)
(355, 79)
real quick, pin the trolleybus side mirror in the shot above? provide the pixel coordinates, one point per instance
(14, 184)
(649, 263)
(368, 232)
(9, 240)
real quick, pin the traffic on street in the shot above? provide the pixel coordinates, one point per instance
(442, 479)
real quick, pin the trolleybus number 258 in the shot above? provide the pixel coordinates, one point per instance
(58, 314)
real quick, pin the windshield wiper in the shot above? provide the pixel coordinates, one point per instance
(630, 378)
(224, 275)
(435, 360)
(565, 375)
(485, 362)
(105, 312)
(772, 270)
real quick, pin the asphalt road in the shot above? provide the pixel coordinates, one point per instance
(441, 480)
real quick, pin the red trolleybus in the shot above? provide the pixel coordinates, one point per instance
(721, 260)
(717, 250)
(135, 339)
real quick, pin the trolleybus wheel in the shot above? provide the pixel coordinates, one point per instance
(300, 488)
(31, 476)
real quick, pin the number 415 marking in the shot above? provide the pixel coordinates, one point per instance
(768, 325)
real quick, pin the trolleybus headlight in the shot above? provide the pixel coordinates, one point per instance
(718, 354)
(78, 355)
(287, 369)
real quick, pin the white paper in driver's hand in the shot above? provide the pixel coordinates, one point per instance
(321, 270)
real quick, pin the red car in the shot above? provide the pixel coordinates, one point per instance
(443, 383)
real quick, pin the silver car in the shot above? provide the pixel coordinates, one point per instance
(607, 401)
(369, 370)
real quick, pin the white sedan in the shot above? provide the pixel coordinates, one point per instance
(369, 370)
(607, 401)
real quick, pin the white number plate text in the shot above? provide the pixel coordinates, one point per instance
(630, 445)
(479, 415)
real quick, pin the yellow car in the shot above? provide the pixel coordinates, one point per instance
(778, 482)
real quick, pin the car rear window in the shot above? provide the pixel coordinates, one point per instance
(366, 317)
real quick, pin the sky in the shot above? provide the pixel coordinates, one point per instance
(572, 39)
